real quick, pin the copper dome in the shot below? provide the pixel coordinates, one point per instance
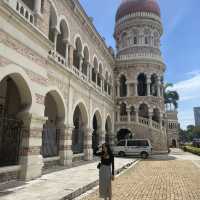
(130, 6)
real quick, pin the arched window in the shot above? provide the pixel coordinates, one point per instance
(99, 76)
(77, 53)
(142, 85)
(154, 85)
(156, 115)
(94, 70)
(123, 86)
(52, 24)
(85, 61)
(123, 111)
(156, 40)
(62, 39)
(144, 111)
(30, 4)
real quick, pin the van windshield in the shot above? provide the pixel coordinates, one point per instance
(121, 143)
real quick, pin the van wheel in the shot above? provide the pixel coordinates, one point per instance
(144, 155)
(121, 154)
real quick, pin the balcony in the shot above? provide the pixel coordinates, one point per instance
(22, 9)
(141, 121)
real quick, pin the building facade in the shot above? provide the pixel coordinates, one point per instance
(197, 116)
(63, 91)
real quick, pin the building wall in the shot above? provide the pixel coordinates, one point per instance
(197, 116)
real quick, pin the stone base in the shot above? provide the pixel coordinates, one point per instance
(66, 158)
(88, 154)
(31, 167)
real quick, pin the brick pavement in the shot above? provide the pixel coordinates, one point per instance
(157, 180)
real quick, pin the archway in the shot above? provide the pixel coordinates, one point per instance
(143, 111)
(53, 20)
(123, 134)
(85, 61)
(12, 87)
(123, 86)
(94, 70)
(123, 112)
(174, 143)
(154, 85)
(142, 85)
(156, 115)
(97, 124)
(62, 39)
(55, 113)
(80, 121)
(77, 53)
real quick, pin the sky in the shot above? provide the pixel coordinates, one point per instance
(180, 45)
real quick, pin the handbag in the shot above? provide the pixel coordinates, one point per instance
(99, 165)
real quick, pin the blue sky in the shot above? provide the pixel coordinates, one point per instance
(180, 45)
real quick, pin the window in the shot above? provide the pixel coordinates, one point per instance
(121, 143)
(135, 40)
(132, 143)
(42, 6)
(143, 143)
(146, 40)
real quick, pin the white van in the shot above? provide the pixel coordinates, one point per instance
(137, 147)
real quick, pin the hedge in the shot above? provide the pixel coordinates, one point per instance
(193, 150)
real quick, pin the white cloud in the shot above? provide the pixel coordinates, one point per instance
(189, 89)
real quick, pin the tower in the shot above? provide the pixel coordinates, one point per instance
(139, 73)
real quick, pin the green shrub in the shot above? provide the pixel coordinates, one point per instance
(191, 149)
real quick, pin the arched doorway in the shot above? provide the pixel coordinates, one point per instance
(15, 97)
(174, 143)
(54, 111)
(97, 123)
(154, 85)
(123, 134)
(142, 85)
(144, 111)
(80, 121)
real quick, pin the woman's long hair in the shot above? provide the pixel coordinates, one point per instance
(109, 151)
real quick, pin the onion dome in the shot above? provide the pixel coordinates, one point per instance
(130, 6)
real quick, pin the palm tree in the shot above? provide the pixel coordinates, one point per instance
(171, 97)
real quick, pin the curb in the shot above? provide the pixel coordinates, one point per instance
(90, 186)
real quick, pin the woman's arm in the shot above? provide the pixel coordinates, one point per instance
(113, 164)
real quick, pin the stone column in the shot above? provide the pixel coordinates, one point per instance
(31, 160)
(102, 137)
(55, 38)
(158, 87)
(128, 88)
(88, 70)
(66, 51)
(71, 55)
(111, 138)
(148, 86)
(135, 88)
(37, 7)
(129, 114)
(88, 152)
(150, 118)
(80, 62)
(65, 151)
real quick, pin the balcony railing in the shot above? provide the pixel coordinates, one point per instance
(155, 125)
(144, 121)
(22, 9)
(57, 57)
(124, 118)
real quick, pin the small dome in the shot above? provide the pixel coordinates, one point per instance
(130, 6)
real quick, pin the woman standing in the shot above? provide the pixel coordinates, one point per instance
(106, 172)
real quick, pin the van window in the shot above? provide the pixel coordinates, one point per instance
(132, 143)
(121, 143)
(143, 143)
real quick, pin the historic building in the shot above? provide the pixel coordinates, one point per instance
(63, 91)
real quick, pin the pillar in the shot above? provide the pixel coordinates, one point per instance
(65, 151)
(135, 88)
(71, 55)
(158, 87)
(128, 88)
(80, 62)
(111, 138)
(37, 7)
(150, 118)
(55, 38)
(66, 51)
(102, 137)
(129, 114)
(31, 160)
(88, 152)
(118, 89)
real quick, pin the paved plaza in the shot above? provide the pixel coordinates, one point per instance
(173, 177)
